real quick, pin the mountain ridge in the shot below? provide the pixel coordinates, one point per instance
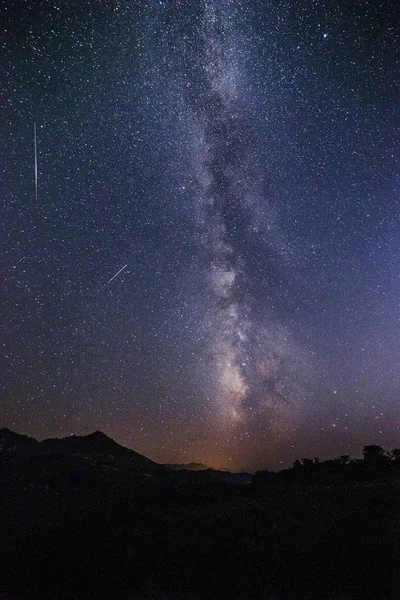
(97, 447)
(95, 443)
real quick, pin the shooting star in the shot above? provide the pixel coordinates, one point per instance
(36, 164)
(114, 276)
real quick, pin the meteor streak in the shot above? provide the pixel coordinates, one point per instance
(36, 162)
(114, 276)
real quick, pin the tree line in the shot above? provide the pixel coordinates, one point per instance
(376, 464)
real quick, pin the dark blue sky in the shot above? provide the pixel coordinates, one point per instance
(241, 159)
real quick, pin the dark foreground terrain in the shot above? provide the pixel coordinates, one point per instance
(80, 525)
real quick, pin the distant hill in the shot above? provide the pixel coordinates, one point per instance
(193, 466)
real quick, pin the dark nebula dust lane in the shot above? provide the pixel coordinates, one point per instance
(201, 226)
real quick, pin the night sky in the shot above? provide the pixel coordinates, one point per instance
(237, 159)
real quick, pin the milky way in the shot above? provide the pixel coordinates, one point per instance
(239, 159)
(251, 364)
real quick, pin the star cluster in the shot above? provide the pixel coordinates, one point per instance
(240, 160)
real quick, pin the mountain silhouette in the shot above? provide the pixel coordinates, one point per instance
(99, 449)
(95, 444)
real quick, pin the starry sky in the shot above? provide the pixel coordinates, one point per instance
(237, 160)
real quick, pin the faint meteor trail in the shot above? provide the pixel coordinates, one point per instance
(114, 276)
(36, 163)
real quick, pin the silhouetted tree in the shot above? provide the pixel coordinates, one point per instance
(308, 463)
(374, 454)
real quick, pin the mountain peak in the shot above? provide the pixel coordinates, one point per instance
(97, 435)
